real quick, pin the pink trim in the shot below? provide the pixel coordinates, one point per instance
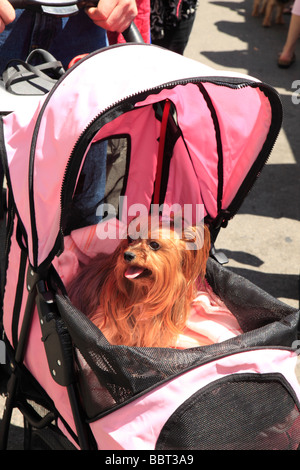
(178, 7)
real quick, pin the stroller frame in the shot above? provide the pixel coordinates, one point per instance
(57, 354)
(43, 282)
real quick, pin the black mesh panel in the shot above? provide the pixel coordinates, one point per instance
(243, 412)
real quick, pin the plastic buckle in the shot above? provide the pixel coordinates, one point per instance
(219, 256)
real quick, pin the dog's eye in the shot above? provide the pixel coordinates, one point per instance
(154, 246)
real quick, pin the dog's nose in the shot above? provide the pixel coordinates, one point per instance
(129, 256)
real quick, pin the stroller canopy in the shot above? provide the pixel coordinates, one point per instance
(226, 125)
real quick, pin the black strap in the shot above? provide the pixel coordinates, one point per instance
(30, 78)
(19, 287)
(18, 298)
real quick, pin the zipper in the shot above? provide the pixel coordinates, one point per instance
(127, 104)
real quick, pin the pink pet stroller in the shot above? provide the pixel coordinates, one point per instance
(205, 149)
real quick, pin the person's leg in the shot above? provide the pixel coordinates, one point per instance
(288, 50)
(11, 46)
(90, 188)
(176, 37)
(63, 37)
(287, 56)
(77, 35)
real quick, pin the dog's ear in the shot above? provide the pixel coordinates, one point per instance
(197, 239)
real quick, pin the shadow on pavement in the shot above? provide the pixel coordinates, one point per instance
(277, 194)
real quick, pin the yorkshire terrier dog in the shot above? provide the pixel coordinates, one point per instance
(142, 293)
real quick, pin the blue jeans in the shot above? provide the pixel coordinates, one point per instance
(64, 38)
(176, 37)
(90, 189)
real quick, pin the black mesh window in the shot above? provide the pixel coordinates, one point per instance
(118, 151)
(241, 412)
(101, 182)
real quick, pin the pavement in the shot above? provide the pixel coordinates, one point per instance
(262, 242)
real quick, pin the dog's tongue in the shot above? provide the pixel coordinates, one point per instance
(133, 271)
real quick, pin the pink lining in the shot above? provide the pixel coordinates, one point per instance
(210, 321)
(241, 138)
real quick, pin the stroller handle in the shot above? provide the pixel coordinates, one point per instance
(70, 7)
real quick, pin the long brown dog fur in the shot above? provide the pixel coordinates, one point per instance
(141, 294)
